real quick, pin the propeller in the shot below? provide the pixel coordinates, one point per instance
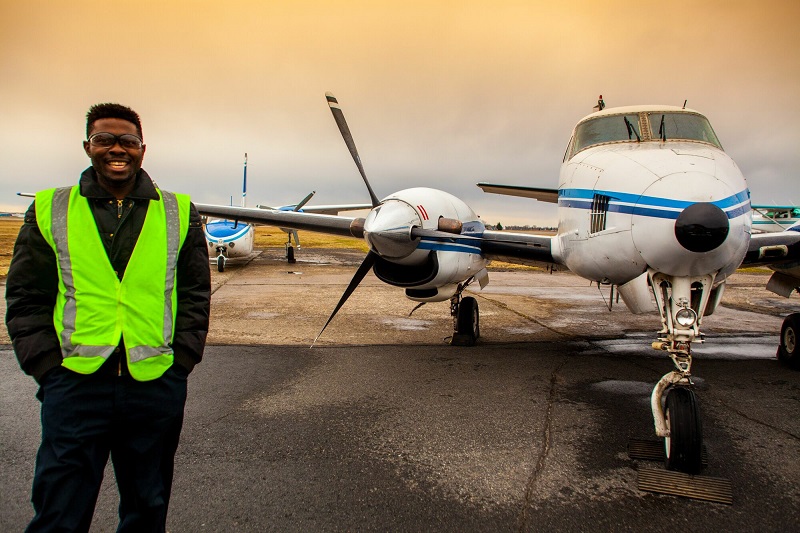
(304, 201)
(366, 265)
(358, 228)
(338, 116)
(393, 237)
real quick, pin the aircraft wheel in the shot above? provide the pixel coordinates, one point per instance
(221, 263)
(789, 349)
(684, 446)
(468, 324)
(290, 254)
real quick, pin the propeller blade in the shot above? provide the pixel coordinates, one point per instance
(362, 271)
(304, 201)
(348, 140)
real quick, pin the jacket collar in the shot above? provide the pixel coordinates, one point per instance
(144, 189)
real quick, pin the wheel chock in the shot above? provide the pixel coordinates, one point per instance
(710, 489)
(653, 450)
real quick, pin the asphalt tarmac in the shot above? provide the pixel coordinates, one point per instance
(382, 426)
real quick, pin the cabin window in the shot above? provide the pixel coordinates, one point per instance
(615, 128)
(599, 211)
(682, 127)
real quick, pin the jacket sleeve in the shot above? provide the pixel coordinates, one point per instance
(31, 289)
(194, 295)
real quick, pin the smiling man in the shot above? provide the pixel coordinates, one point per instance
(108, 299)
(116, 149)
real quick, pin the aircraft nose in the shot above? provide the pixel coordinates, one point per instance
(702, 227)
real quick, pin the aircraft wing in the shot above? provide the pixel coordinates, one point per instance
(522, 248)
(537, 193)
(329, 209)
(781, 252)
(331, 224)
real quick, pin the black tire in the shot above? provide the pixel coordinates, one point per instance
(789, 348)
(468, 321)
(684, 446)
(221, 263)
(290, 254)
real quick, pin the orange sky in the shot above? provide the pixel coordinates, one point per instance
(441, 94)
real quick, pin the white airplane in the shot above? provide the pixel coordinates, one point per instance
(648, 201)
(769, 218)
(232, 239)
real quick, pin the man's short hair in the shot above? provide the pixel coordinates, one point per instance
(99, 111)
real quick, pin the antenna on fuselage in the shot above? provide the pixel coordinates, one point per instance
(600, 104)
(684, 103)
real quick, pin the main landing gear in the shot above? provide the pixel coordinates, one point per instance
(789, 348)
(289, 248)
(466, 319)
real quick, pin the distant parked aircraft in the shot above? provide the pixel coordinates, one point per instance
(770, 218)
(232, 239)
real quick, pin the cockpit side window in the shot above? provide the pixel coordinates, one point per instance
(615, 128)
(682, 127)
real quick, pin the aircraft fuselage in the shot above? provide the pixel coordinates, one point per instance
(633, 202)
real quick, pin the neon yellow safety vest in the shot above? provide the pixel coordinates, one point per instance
(94, 309)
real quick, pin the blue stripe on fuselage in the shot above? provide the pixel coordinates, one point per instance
(649, 206)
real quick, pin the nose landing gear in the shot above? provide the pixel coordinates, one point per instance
(221, 258)
(681, 302)
(684, 443)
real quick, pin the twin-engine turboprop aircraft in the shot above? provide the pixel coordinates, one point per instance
(648, 201)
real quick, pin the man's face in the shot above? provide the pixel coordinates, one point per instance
(115, 165)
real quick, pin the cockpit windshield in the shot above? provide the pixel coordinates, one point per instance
(606, 130)
(657, 126)
(682, 126)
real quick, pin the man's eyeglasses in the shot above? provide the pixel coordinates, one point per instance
(107, 140)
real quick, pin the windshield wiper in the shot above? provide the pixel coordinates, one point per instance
(631, 130)
(662, 130)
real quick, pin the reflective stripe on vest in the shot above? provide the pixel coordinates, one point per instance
(94, 309)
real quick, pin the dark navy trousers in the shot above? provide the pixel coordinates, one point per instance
(86, 418)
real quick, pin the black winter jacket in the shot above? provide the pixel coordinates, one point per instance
(32, 282)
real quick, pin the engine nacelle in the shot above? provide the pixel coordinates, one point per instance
(437, 278)
(439, 294)
(430, 268)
